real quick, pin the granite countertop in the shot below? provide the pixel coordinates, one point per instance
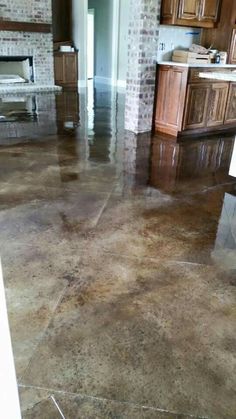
(174, 63)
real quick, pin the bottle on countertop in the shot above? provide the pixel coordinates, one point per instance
(217, 58)
(223, 57)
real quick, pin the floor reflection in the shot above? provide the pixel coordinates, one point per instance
(18, 108)
(191, 165)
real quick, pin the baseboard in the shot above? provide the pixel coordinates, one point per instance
(103, 80)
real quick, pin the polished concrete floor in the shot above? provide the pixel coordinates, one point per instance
(119, 262)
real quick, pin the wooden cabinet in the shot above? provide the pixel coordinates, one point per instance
(200, 13)
(205, 105)
(58, 69)
(217, 104)
(187, 103)
(232, 51)
(209, 11)
(196, 106)
(188, 9)
(66, 69)
(230, 115)
(224, 36)
(172, 84)
(168, 11)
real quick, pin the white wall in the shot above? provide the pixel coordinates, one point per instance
(123, 42)
(175, 37)
(79, 16)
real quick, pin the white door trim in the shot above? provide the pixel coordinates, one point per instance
(115, 41)
(92, 13)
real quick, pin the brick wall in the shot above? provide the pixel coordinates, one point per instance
(38, 45)
(142, 52)
(26, 10)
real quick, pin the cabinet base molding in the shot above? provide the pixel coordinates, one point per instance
(230, 128)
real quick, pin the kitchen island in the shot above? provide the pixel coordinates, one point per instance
(195, 98)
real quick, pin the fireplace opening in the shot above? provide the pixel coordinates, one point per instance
(17, 69)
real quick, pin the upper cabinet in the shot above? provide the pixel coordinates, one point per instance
(168, 12)
(210, 10)
(223, 37)
(232, 50)
(200, 13)
(188, 10)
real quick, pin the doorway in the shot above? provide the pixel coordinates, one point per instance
(102, 34)
(90, 44)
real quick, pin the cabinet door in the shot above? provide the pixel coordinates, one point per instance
(196, 106)
(230, 115)
(217, 104)
(70, 68)
(168, 11)
(189, 9)
(171, 90)
(58, 68)
(209, 10)
(232, 53)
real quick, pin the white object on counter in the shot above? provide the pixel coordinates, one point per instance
(66, 48)
(223, 57)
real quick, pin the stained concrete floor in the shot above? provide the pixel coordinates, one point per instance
(119, 264)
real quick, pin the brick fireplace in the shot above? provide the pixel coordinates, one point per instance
(28, 41)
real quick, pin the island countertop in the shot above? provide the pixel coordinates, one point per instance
(202, 65)
(218, 76)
